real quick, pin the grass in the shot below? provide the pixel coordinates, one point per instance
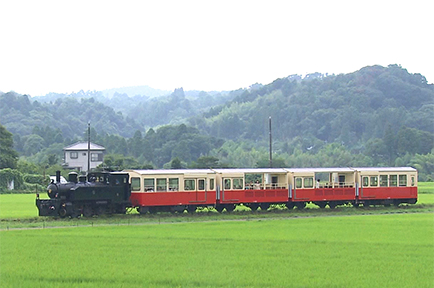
(426, 192)
(357, 251)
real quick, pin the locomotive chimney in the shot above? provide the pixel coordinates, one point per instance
(82, 178)
(57, 176)
(73, 177)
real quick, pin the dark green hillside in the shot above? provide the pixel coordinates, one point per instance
(37, 125)
(350, 109)
(176, 107)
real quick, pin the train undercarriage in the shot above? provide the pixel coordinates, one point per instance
(56, 207)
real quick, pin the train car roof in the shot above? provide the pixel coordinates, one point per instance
(172, 171)
(240, 171)
(386, 169)
(320, 170)
(250, 170)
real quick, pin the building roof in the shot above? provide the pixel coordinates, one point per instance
(83, 146)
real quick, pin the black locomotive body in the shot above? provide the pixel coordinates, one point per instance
(98, 193)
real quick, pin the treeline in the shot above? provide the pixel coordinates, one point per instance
(159, 147)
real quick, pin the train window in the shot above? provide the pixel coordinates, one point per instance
(374, 181)
(135, 184)
(161, 184)
(227, 183)
(189, 184)
(201, 184)
(412, 180)
(308, 182)
(149, 185)
(402, 180)
(238, 183)
(298, 183)
(173, 184)
(393, 180)
(383, 181)
(365, 181)
(211, 184)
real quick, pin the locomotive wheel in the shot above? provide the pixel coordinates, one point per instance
(100, 210)
(332, 205)
(264, 206)
(62, 212)
(87, 211)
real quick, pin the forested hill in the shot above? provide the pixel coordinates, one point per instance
(351, 109)
(372, 117)
(63, 118)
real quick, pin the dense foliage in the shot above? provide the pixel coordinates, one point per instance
(8, 156)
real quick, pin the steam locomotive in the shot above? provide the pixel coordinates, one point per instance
(98, 193)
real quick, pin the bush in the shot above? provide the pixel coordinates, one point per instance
(36, 179)
(8, 175)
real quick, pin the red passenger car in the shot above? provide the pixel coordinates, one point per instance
(177, 190)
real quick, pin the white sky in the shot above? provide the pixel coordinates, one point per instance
(66, 46)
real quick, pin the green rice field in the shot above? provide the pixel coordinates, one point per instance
(344, 247)
(353, 251)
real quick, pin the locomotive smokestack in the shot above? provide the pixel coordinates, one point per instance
(57, 176)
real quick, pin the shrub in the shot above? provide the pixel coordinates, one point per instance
(8, 175)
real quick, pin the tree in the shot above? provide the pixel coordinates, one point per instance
(136, 144)
(8, 156)
(389, 140)
(176, 164)
(33, 144)
(206, 162)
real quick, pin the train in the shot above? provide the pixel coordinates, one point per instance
(180, 190)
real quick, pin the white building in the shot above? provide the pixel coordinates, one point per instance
(76, 158)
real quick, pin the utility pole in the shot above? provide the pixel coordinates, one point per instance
(271, 148)
(88, 147)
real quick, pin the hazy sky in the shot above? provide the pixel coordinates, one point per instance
(66, 46)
